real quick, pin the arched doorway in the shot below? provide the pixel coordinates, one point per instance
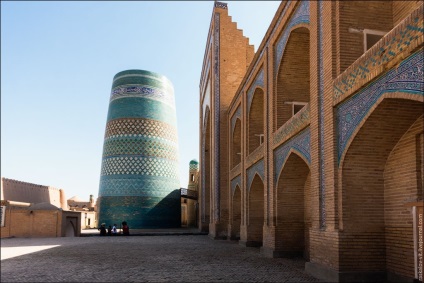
(293, 208)
(70, 228)
(379, 175)
(255, 213)
(236, 214)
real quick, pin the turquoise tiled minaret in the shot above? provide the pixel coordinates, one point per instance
(139, 179)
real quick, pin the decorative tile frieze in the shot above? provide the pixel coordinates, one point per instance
(408, 78)
(143, 91)
(293, 126)
(140, 127)
(140, 165)
(140, 146)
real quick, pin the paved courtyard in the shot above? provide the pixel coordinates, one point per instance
(184, 258)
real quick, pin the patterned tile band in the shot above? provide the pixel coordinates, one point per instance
(140, 127)
(139, 178)
(408, 78)
(142, 91)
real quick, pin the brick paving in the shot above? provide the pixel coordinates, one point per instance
(168, 258)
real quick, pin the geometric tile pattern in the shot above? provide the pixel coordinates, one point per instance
(412, 29)
(140, 146)
(194, 165)
(300, 17)
(301, 143)
(135, 165)
(141, 127)
(407, 77)
(127, 186)
(299, 121)
(259, 82)
(257, 168)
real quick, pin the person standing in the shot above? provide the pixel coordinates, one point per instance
(114, 230)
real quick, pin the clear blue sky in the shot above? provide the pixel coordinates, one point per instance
(57, 64)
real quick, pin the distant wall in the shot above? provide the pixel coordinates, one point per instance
(23, 222)
(26, 192)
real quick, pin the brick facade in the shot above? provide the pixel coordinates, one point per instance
(330, 181)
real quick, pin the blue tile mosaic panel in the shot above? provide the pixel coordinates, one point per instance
(408, 77)
(257, 168)
(300, 143)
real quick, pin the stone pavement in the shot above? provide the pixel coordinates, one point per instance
(168, 258)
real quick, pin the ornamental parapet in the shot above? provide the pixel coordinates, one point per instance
(293, 126)
(394, 47)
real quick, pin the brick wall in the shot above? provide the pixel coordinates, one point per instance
(293, 76)
(401, 9)
(366, 204)
(27, 192)
(31, 223)
(256, 210)
(291, 205)
(236, 144)
(401, 185)
(236, 211)
(376, 15)
(256, 120)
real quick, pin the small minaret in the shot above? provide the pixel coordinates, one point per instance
(193, 178)
(91, 204)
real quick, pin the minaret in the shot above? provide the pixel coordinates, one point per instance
(139, 179)
(193, 180)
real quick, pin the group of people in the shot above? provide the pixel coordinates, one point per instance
(113, 231)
